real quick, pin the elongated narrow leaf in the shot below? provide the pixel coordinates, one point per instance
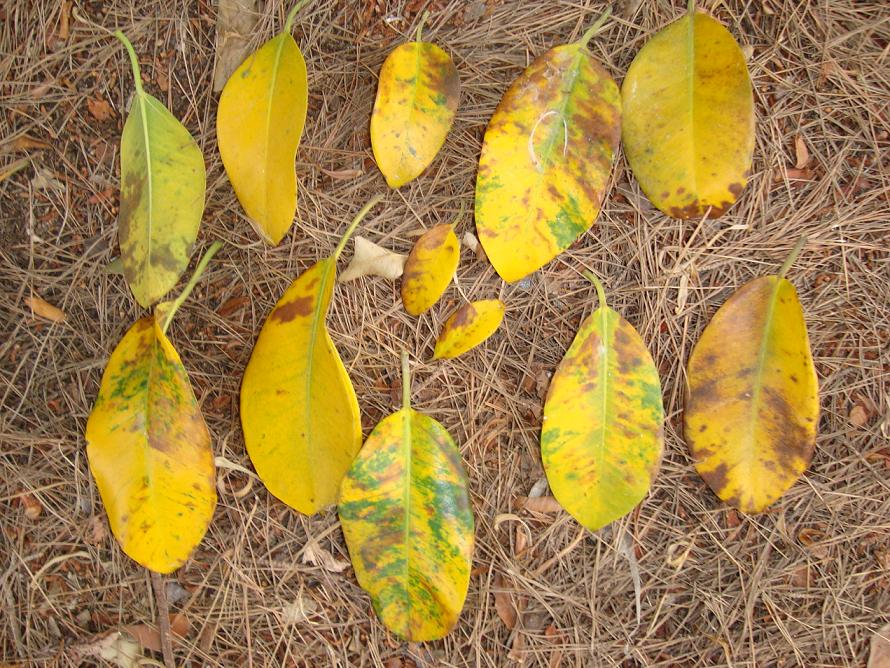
(469, 326)
(546, 160)
(417, 97)
(689, 118)
(149, 451)
(407, 520)
(261, 114)
(299, 411)
(430, 266)
(753, 404)
(162, 195)
(602, 436)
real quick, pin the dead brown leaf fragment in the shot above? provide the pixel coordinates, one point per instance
(44, 309)
(801, 153)
(235, 22)
(99, 109)
(149, 637)
(541, 504)
(879, 657)
(505, 605)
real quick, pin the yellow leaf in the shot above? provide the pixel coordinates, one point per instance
(753, 397)
(408, 524)
(469, 326)
(149, 451)
(162, 194)
(261, 114)
(417, 97)
(430, 266)
(299, 411)
(546, 159)
(602, 436)
(369, 259)
(689, 118)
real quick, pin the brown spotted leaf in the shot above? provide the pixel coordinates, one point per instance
(430, 266)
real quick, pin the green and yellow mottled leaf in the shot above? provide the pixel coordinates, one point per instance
(546, 159)
(261, 114)
(299, 411)
(417, 97)
(753, 399)
(602, 436)
(430, 266)
(408, 524)
(149, 451)
(689, 118)
(162, 194)
(469, 326)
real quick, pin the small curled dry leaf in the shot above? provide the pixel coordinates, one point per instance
(369, 259)
(44, 309)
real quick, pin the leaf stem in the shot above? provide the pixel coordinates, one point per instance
(406, 382)
(292, 14)
(587, 36)
(423, 18)
(792, 256)
(134, 61)
(690, 7)
(163, 618)
(193, 281)
(355, 221)
(600, 292)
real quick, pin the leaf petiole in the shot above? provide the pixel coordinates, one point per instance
(134, 61)
(792, 256)
(600, 292)
(193, 281)
(354, 224)
(406, 382)
(423, 18)
(292, 14)
(591, 31)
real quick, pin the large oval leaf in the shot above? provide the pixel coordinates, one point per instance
(407, 520)
(162, 195)
(602, 435)
(149, 451)
(469, 326)
(417, 97)
(753, 397)
(261, 114)
(689, 118)
(299, 411)
(430, 266)
(546, 159)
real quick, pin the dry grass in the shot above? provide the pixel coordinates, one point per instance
(802, 585)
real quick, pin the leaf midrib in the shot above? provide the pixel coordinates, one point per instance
(146, 259)
(272, 91)
(693, 175)
(407, 454)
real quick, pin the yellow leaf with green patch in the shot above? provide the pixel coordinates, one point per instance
(469, 326)
(689, 118)
(299, 412)
(261, 114)
(430, 266)
(602, 435)
(406, 516)
(753, 398)
(417, 96)
(148, 446)
(162, 194)
(546, 159)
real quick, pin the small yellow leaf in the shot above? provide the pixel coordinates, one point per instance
(369, 259)
(417, 97)
(408, 524)
(299, 412)
(469, 326)
(753, 397)
(261, 114)
(162, 194)
(149, 451)
(546, 159)
(44, 309)
(689, 118)
(602, 439)
(431, 264)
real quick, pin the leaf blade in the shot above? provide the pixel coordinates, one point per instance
(262, 110)
(149, 451)
(417, 97)
(689, 140)
(546, 160)
(602, 434)
(469, 326)
(429, 268)
(752, 403)
(299, 411)
(407, 520)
